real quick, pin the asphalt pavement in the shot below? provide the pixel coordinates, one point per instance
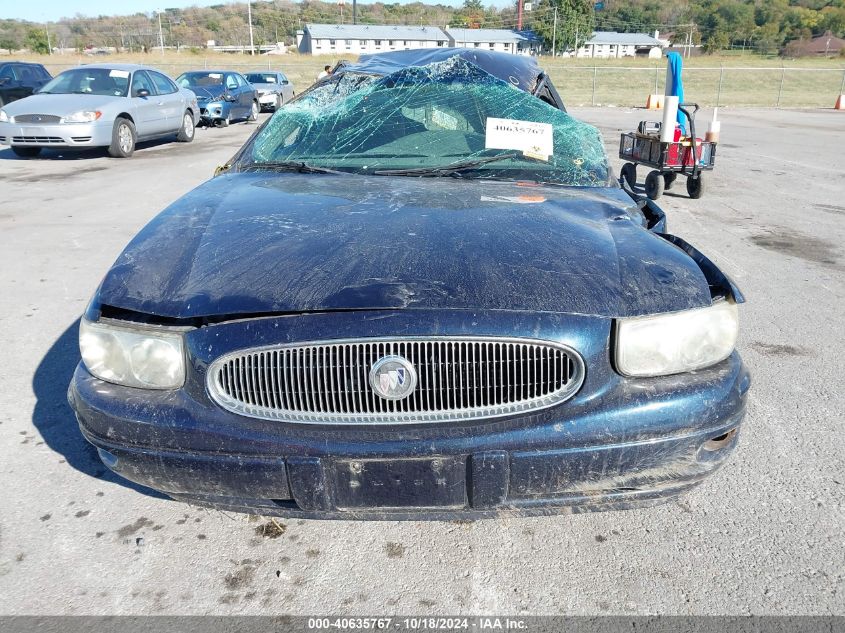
(765, 535)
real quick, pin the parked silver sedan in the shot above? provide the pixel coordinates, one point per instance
(274, 88)
(114, 106)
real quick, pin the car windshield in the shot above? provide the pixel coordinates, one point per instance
(261, 78)
(199, 79)
(110, 82)
(447, 118)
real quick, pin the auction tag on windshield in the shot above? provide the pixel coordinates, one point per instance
(123, 74)
(534, 140)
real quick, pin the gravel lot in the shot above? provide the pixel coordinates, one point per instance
(765, 535)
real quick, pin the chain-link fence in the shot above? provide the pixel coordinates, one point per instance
(625, 86)
(722, 86)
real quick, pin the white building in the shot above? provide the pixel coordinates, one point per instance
(609, 44)
(502, 40)
(355, 39)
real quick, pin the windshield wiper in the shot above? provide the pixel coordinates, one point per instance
(290, 165)
(446, 170)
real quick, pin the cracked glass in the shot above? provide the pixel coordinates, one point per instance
(428, 120)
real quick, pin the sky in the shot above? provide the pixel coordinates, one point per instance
(52, 10)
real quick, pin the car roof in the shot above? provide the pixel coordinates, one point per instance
(211, 70)
(520, 70)
(12, 61)
(128, 67)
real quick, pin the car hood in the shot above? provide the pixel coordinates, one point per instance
(255, 243)
(266, 86)
(58, 104)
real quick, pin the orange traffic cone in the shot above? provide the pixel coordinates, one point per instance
(840, 103)
(654, 102)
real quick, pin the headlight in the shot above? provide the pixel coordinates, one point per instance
(151, 357)
(3, 116)
(677, 342)
(83, 116)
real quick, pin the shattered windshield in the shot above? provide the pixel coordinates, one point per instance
(447, 118)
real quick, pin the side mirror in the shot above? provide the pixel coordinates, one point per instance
(229, 97)
(4, 81)
(142, 92)
(285, 82)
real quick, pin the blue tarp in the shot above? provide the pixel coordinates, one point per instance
(675, 85)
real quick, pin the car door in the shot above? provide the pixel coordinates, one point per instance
(287, 87)
(12, 83)
(170, 96)
(147, 106)
(246, 94)
(232, 87)
(29, 79)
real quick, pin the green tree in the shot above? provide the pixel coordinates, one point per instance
(716, 41)
(9, 43)
(36, 41)
(575, 19)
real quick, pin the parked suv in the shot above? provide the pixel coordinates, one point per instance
(20, 79)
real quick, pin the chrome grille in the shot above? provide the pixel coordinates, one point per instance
(36, 118)
(327, 382)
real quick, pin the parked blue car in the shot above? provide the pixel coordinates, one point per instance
(223, 96)
(416, 292)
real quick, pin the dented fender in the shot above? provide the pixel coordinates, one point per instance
(720, 284)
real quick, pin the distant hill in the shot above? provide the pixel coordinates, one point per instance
(716, 24)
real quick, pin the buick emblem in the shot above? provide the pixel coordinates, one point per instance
(393, 378)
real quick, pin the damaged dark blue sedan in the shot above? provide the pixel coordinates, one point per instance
(416, 292)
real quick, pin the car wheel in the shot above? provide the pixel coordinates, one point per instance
(629, 173)
(26, 152)
(695, 187)
(123, 139)
(654, 185)
(253, 113)
(187, 131)
(669, 178)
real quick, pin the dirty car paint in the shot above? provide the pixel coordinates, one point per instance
(252, 243)
(265, 260)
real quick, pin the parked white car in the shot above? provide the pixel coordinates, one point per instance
(274, 88)
(114, 106)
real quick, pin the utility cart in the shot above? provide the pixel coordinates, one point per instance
(688, 156)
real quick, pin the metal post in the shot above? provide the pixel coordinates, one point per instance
(719, 94)
(49, 46)
(354, 11)
(160, 34)
(842, 87)
(249, 18)
(656, 79)
(780, 91)
(595, 72)
(554, 34)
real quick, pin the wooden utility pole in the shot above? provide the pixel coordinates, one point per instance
(519, 16)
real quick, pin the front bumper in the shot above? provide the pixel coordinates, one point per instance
(268, 100)
(56, 135)
(214, 111)
(618, 443)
